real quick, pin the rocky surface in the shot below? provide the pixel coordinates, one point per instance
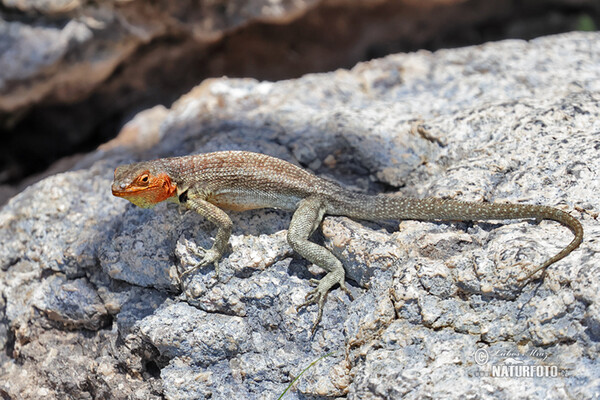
(90, 307)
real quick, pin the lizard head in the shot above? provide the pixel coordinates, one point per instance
(144, 184)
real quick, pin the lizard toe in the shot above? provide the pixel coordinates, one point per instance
(312, 297)
(346, 290)
(209, 258)
(315, 296)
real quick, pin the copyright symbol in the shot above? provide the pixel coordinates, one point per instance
(481, 356)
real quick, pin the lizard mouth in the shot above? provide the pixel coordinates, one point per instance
(130, 192)
(124, 193)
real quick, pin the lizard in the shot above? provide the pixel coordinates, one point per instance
(210, 183)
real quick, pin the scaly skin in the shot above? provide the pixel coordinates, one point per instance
(239, 180)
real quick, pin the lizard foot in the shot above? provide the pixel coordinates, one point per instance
(210, 256)
(318, 296)
(315, 282)
(315, 296)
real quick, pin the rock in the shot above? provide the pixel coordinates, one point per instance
(88, 281)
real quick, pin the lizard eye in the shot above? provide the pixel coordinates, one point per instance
(143, 179)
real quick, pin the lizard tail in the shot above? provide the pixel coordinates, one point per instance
(385, 207)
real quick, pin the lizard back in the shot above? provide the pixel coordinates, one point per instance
(241, 180)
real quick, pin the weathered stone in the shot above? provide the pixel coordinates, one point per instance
(509, 121)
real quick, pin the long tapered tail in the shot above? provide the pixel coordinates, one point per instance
(384, 207)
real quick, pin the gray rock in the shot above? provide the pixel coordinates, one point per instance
(90, 304)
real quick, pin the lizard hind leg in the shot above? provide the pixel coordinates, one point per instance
(305, 221)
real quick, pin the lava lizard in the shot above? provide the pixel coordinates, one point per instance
(241, 180)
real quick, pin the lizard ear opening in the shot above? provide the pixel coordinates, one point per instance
(170, 187)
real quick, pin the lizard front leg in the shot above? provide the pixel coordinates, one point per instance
(305, 220)
(195, 200)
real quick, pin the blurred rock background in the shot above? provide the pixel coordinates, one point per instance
(73, 72)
